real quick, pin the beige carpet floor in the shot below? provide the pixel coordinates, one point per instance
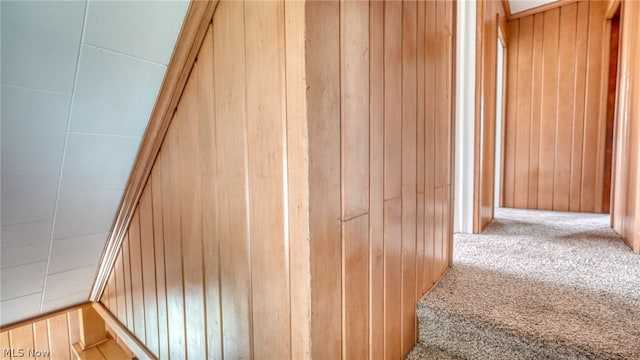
(535, 285)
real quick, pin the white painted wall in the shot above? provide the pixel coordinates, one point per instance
(465, 104)
(499, 123)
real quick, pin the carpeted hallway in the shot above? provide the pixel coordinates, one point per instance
(535, 285)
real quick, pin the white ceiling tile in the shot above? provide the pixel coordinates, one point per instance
(145, 29)
(85, 213)
(28, 195)
(22, 280)
(19, 308)
(522, 5)
(77, 252)
(24, 243)
(40, 43)
(34, 124)
(114, 94)
(62, 284)
(65, 302)
(97, 162)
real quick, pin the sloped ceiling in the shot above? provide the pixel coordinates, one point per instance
(523, 5)
(78, 82)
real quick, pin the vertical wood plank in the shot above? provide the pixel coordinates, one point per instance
(158, 237)
(209, 174)
(393, 277)
(264, 29)
(126, 262)
(549, 108)
(232, 180)
(137, 292)
(21, 338)
(566, 104)
(355, 288)
(4, 342)
(323, 92)
(439, 233)
(191, 216)
(41, 336)
(582, 31)
(73, 321)
(430, 143)
(354, 80)
(511, 120)
(523, 112)
(536, 98)
(592, 107)
(147, 246)
(173, 243)
(59, 337)
(440, 96)
(376, 168)
(120, 292)
(409, 175)
(420, 144)
(392, 99)
(298, 181)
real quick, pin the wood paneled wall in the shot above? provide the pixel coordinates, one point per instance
(50, 337)
(556, 106)
(490, 20)
(380, 122)
(626, 204)
(300, 204)
(214, 262)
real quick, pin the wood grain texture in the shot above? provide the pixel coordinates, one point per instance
(323, 117)
(173, 243)
(392, 99)
(564, 129)
(190, 195)
(292, 211)
(354, 77)
(298, 181)
(158, 243)
(137, 293)
(355, 288)
(53, 334)
(393, 277)
(208, 172)
(430, 157)
(230, 131)
(376, 171)
(409, 173)
(59, 343)
(626, 196)
(147, 247)
(264, 44)
(128, 293)
(490, 20)
(554, 132)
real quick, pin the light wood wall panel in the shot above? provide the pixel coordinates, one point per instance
(395, 224)
(555, 123)
(48, 337)
(300, 203)
(626, 193)
(490, 18)
(208, 255)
